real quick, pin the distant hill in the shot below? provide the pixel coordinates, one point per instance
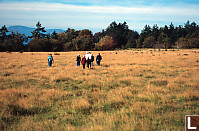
(27, 30)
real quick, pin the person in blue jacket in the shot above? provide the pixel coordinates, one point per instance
(50, 60)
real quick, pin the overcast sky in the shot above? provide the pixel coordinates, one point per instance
(96, 15)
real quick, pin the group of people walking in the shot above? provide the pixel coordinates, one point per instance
(88, 59)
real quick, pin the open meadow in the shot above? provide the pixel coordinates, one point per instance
(131, 90)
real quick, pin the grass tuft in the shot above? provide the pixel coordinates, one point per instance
(159, 83)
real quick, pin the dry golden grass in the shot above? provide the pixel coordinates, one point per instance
(131, 90)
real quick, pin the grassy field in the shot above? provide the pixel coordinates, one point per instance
(131, 90)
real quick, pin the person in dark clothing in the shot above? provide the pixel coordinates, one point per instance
(83, 61)
(98, 59)
(92, 59)
(78, 60)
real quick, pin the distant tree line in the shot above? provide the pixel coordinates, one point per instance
(186, 36)
(12, 42)
(115, 36)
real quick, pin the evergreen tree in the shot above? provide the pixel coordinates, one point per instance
(164, 40)
(172, 34)
(16, 41)
(118, 32)
(54, 35)
(3, 38)
(155, 31)
(39, 42)
(193, 27)
(146, 32)
(165, 30)
(39, 31)
(3, 34)
(131, 39)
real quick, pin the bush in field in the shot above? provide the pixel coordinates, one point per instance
(149, 42)
(56, 45)
(164, 40)
(41, 44)
(187, 43)
(105, 43)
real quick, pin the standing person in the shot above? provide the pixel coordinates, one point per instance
(88, 59)
(83, 61)
(78, 60)
(92, 59)
(98, 59)
(50, 60)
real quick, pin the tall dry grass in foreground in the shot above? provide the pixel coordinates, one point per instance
(131, 90)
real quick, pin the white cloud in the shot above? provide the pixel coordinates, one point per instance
(57, 15)
(41, 6)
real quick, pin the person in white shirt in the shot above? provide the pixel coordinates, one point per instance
(88, 59)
